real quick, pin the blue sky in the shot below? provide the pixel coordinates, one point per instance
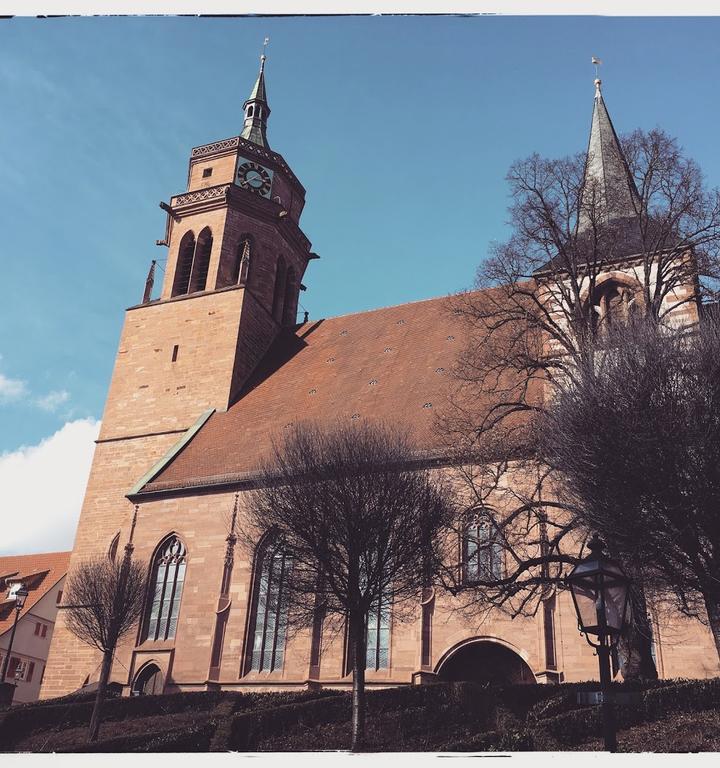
(400, 128)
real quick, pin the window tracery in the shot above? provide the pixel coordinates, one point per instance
(268, 628)
(166, 584)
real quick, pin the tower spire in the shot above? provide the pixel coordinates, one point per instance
(256, 108)
(609, 191)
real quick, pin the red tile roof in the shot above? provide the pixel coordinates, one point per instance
(40, 573)
(392, 364)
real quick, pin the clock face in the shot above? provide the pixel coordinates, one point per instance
(254, 177)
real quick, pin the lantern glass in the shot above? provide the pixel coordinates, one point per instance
(600, 593)
(20, 596)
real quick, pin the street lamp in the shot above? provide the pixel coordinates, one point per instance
(600, 591)
(20, 595)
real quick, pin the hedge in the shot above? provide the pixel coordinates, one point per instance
(577, 726)
(418, 709)
(250, 728)
(195, 738)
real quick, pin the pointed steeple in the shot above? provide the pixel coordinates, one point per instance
(257, 111)
(608, 187)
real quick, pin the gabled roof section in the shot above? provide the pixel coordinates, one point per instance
(392, 365)
(608, 182)
(39, 573)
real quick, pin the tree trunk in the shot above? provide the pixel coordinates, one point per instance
(713, 611)
(636, 644)
(100, 697)
(359, 641)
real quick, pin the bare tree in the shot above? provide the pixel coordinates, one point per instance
(359, 519)
(637, 441)
(540, 315)
(104, 600)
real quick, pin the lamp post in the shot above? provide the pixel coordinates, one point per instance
(20, 596)
(600, 592)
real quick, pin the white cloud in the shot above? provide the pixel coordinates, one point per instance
(43, 487)
(11, 389)
(52, 400)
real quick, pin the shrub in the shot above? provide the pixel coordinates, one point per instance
(250, 728)
(19, 722)
(195, 738)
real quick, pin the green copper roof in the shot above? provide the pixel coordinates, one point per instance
(257, 111)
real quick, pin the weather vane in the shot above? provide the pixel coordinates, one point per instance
(593, 60)
(265, 45)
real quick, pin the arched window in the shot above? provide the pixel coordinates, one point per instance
(612, 304)
(268, 626)
(201, 262)
(279, 290)
(184, 263)
(482, 551)
(289, 301)
(166, 586)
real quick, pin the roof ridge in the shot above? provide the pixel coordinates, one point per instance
(395, 306)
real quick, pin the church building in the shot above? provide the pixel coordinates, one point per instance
(204, 376)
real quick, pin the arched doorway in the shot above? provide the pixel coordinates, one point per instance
(485, 661)
(148, 681)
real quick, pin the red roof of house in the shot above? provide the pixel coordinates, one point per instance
(392, 364)
(39, 573)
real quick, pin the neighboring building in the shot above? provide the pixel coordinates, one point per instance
(206, 374)
(43, 576)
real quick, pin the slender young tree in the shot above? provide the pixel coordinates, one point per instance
(104, 601)
(359, 520)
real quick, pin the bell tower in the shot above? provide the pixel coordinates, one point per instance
(236, 260)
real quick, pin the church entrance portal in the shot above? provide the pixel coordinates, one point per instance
(484, 661)
(149, 681)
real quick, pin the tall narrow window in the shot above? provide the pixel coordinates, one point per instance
(289, 310)
(183, 267)
(270, 609)
(482, 552)
(201, 262)
(166, 583)
(279, 290)
(378, 636)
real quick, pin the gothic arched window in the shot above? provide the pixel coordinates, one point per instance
(166, 586)
(201, 262)
(289, 302)
(268, 625)
(279, 290)
(183, 267)
(612, 304)
(482, 551)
